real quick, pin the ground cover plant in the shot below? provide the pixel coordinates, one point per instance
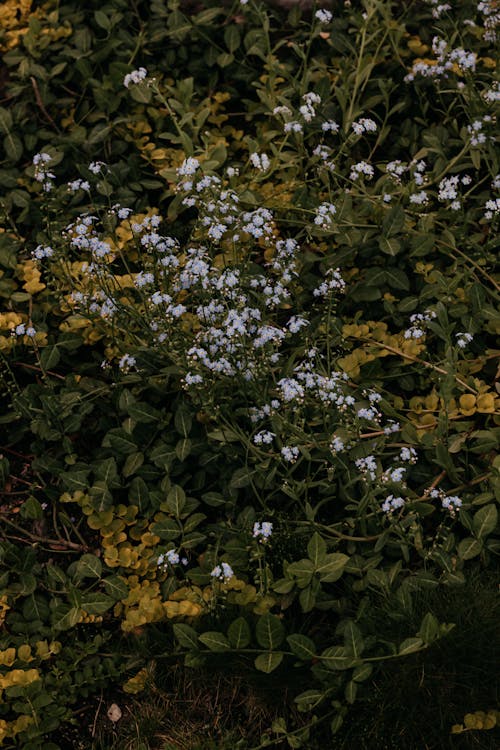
(249, 353)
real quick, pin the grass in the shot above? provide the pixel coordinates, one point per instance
(411, 704)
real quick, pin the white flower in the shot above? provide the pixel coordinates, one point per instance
(260, 161)
(222, 572)
(262, 531)
(290, 454)
(136, 76)
(188, 166)
(392, 503)
(323, 16)
(463, 339)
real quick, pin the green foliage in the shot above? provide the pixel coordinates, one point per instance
(158, 492)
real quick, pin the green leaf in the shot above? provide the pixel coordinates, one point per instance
(307, 598)
(215, 641)
(353, 640)
(302, 570)
(410, 645)
(96, 604)
(133, 462)
(269, 631)
(232, 37)
(138, 493)
(389, 245)
(49, 357)
(143, 413)
(332, 567)
(107, 471)
(336, 723)
(485, 521)
(469, 548)
(183, 448)
(429, 628)
(186, 635)
(89, 566)
(394, 221)
(176, 500)
(116, 587)
(302, 646)
(309, 699)
(162, 455)
(183, 420)
(350, 691)
(337, 658)
(316, 549)
(239, 633)
(65, 617)
(362, 673)
(269, 661)
(120, 441)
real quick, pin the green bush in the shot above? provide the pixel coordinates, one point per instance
(248, 345)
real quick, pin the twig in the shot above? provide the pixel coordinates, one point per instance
(40, 103)
(39, 369)
(92, 733)
(420, 361)
(36, 538)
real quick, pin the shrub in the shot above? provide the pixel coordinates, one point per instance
(251, 371)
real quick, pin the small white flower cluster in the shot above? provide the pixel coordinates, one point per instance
(258, 414)
(22, 330)
(394, 475)
(42, 174)
(333, 282)
(188, 167)
(392, 503)
(337, 445)
(260, 161)
(475, 130)
(136, 76)
(418, 321)
(371, 413)
(463, 339)
(83, 236)
(78, 185)
(126, 362)
(171, 557)
(330, 126)
(290, 453)
(391, 427)
(324, 153)
(293, 126)
(222, 572)
(41, 252)
(262, 531)
(307, 109)
(492, 208)
(396, 169)
(324, 16)
(361, 168)
(419, 199)
(325, 214)
(492, 94)
(449, 502)
(438, 8)
(96, 167)
(367, 466)
(408, 455)
(449, 190)
(364, 125)
(491, 18)
(264, 437)
(445, 62)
